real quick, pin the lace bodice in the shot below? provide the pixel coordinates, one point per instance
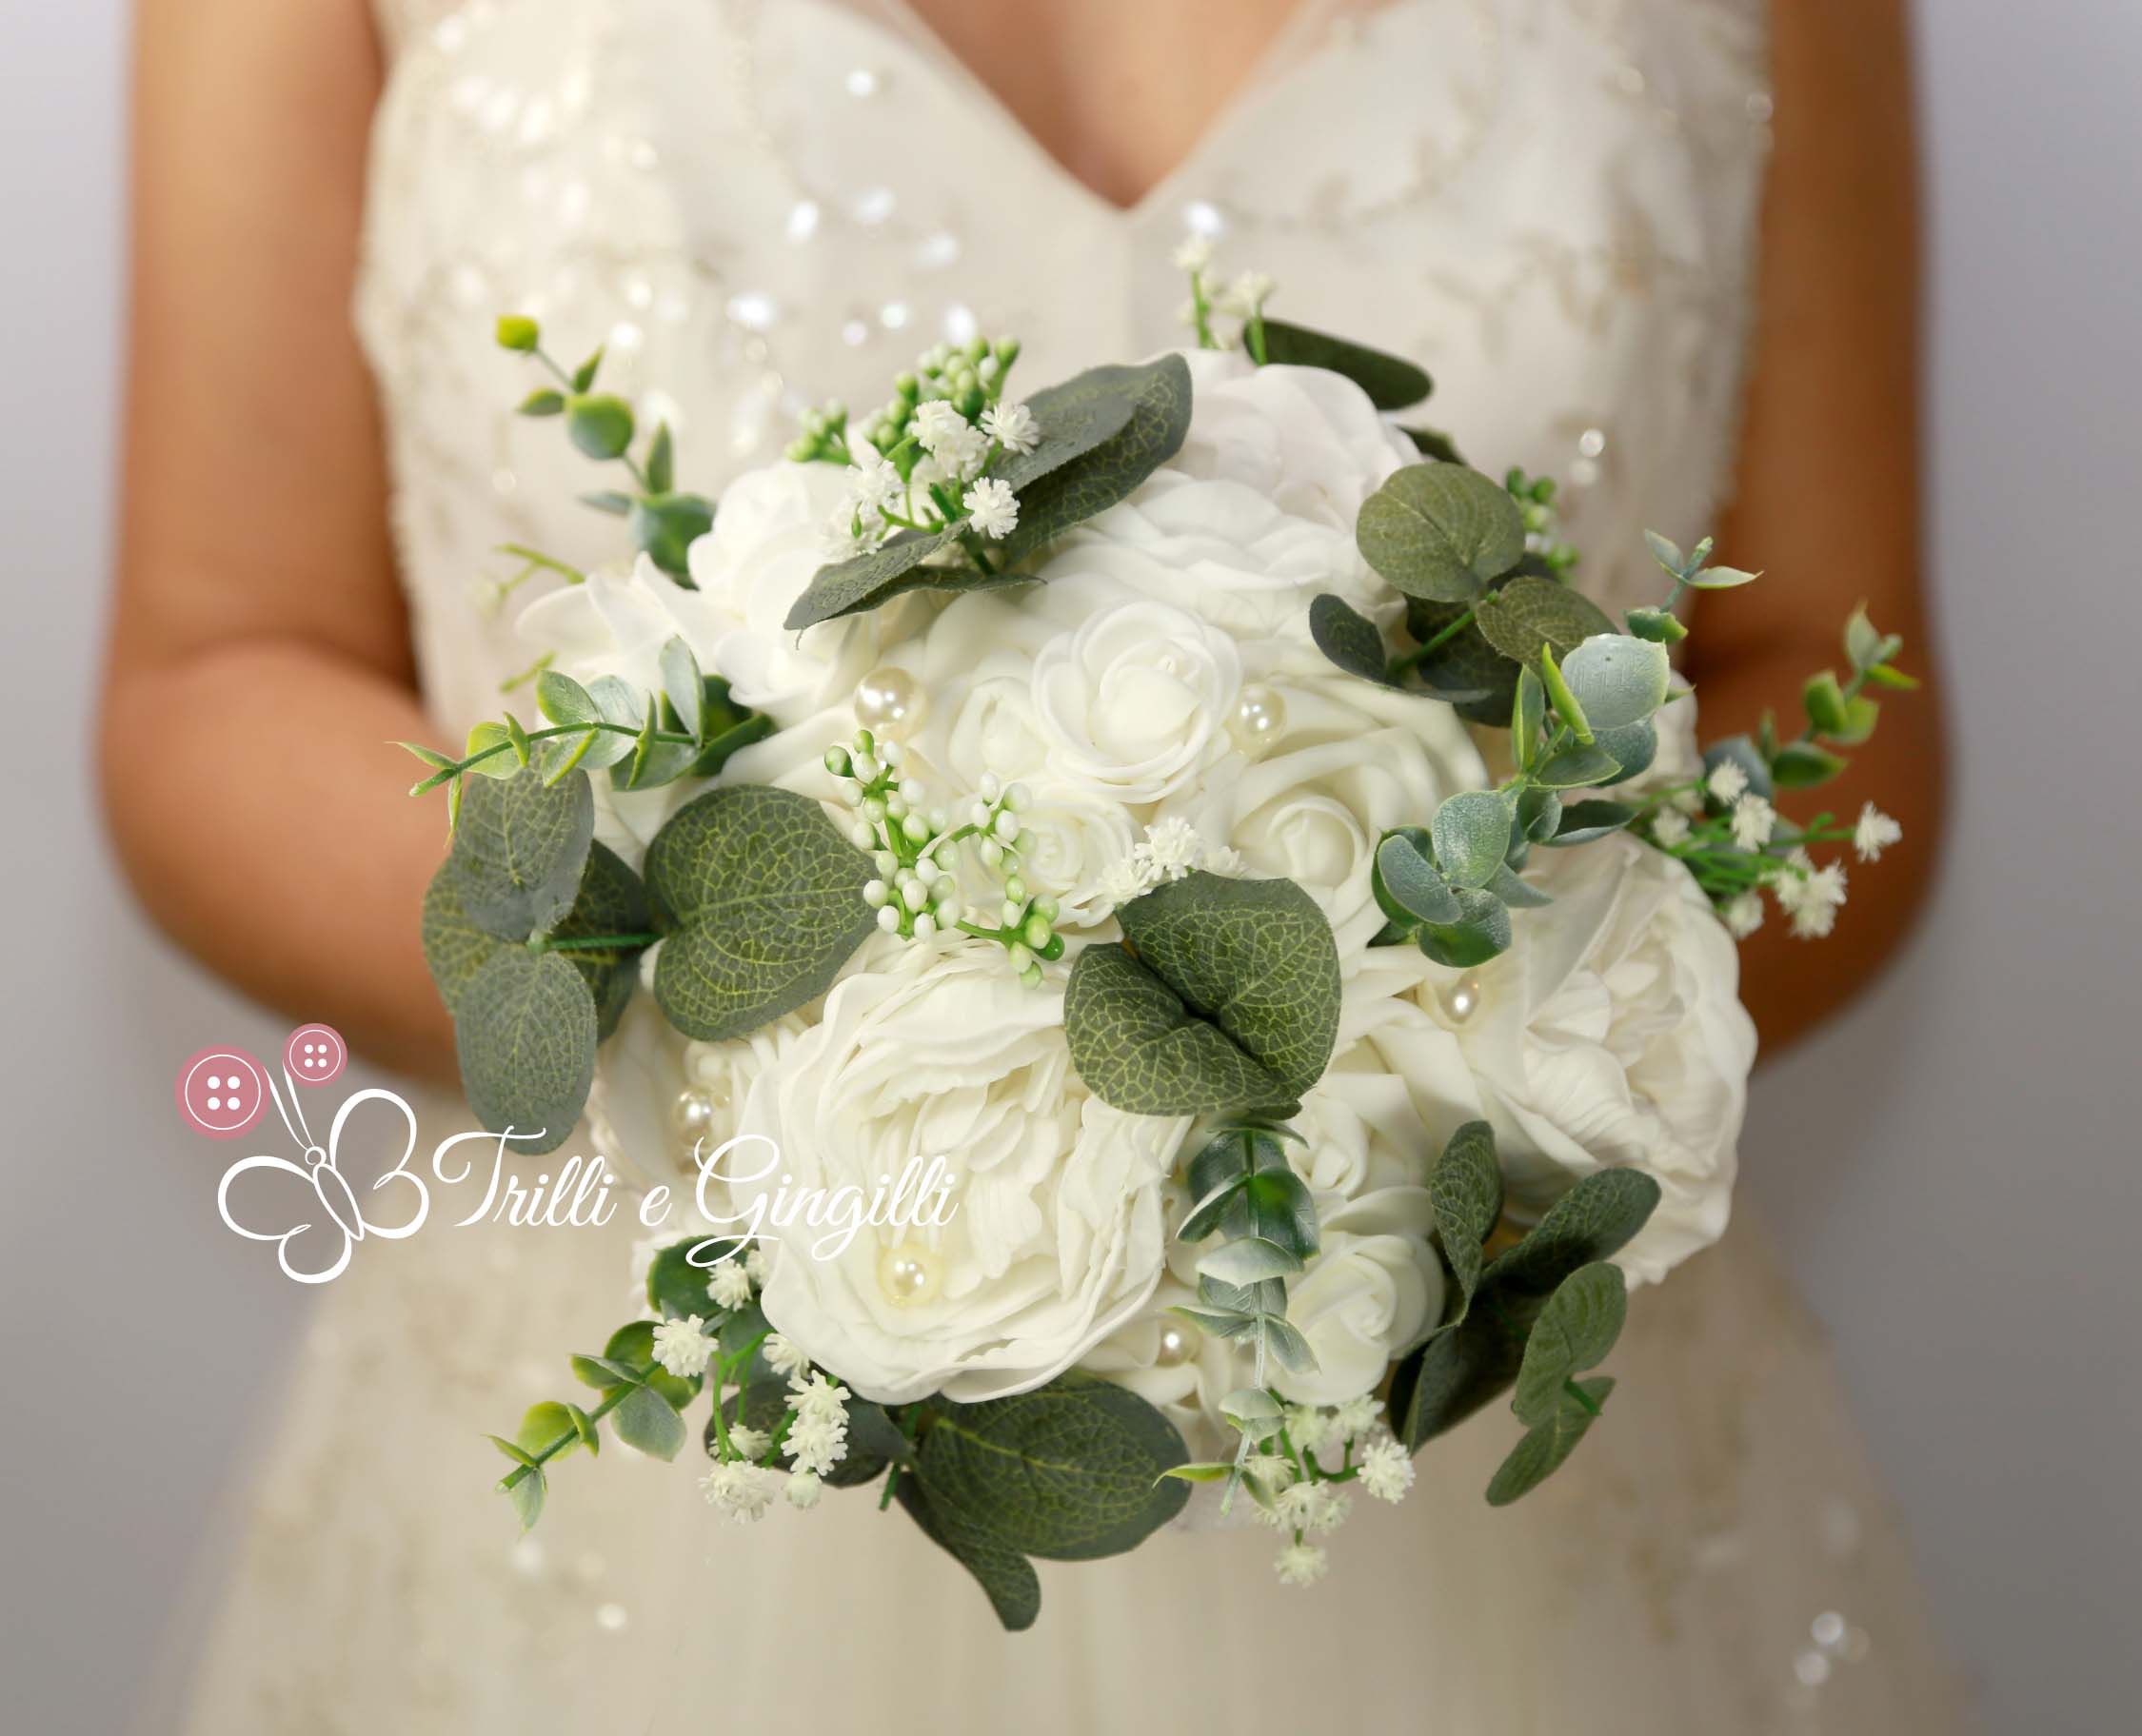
(1550, 203)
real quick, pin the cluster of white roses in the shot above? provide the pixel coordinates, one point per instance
(1160, 703)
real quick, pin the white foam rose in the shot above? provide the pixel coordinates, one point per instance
(1133, 701)
(1611, 1034)
(1348, 762)
(1057, 1239)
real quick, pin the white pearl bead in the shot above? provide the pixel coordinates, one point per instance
(1461, 998)
(1259, 720)
(692, 1115)
(887, 700)
(1179, 1343)
(908, 1275)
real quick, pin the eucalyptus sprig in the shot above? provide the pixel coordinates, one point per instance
(664, 521)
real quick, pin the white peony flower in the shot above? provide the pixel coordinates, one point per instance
(1611, 1034)
(1057, 1237)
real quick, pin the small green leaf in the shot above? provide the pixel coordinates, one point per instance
(665, 526)
(1632, 748)
(1541, 1452)
(1595, 1220)
(1348, 638)
(1471, 832)
(864, 581)
(1481, 933)
(525, 1031)
(1389, 383)
(1200, 1474)
(1585, 822)
(1721, 579)
(1405, 884)
(1540, 816)
(1572, 1334)
(1465, 1188)
(1617, 680)
(584, 376)
(1440, 532)
(1885, 675)
(526, 1493)
(1559, 693)
(481, 739)
(682, 684)
(1661, 627)
(1250, 1261)
(517, 332)
(645, 1420)
(609, 501)
(1801, 766)
(766, 898)
(1576, 767)
(1225, 994)
(1667, 553)
(599, 425)
(543, 402)
(519, 852)
(563, 699)
(1435, 444)
(1528, 712)
(1823, 701)
(543, 1424)
(1515, 893)
(661, 460)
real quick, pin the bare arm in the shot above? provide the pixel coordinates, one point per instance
(1827, 503)
(259, 656)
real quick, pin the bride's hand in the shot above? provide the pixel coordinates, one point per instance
(260, 661)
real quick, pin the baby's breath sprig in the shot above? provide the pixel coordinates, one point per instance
(916, 850)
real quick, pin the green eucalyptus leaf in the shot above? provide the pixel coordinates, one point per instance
(1530, 612)
(1435, 444)
(1004, 1575)
(1539, 814)
(661, 461)
(1483, 932)
(519, 850)
(599, 425)
(1075, 488)
(665, 526)
(1389, 383)
(726, 727)
(1558, 694)
(545, 401)
(1464, 671)
(1515, 893)
(1617, 679)
(1661, 627)
(495, 742)
(516, 331)
(1801, 766)
(645, 1420)
(1667, 553)
(1349, 639)
(1541, 1452)
(584, 376)
(1453, 1375)
(1465, 1188)
(1406, 882)
(1572, 1334)
(612, 901)
(527, 1494)
(1440, 532)
(1224, 995)
(1632, 747)
(1585, 822)
(609, 501)
(862, 581)
(548, 1422)
(1070, 1471)
(1595, 1220)
(1576, 767)
(563, 699)
(766, 900)
(1823, 699)
(615, 702)
(1721, 579)
(1250, 1261)
(1528, 713)
(1471, 832)
(525, 1031)
(682, 684)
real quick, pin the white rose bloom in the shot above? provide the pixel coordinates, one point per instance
(1349, 761)
(1611, 1034)
(1057, 1239)
(1134, 701)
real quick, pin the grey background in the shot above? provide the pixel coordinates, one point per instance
(1952, 1168)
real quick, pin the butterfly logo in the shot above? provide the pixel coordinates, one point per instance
(330, 1222)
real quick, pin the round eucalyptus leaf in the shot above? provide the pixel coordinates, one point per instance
(1531, 611)
(1617, 679)
(1348, 638)
(1440, 531)
(1471, 832)
(1572, 1334)
(1632, 747)
(519, 850)
(1585, 822)
(599, 425)
(664, 526)
(1550, 1442)
(1405, 884)
(1483, 933)
(765, 902)
(525, 1034)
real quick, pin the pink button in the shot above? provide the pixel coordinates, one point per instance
(315, 1054)
(222, 1092)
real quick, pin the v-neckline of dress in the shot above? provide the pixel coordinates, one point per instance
(1287, 46)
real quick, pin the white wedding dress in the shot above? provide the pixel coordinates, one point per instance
(1550, 203)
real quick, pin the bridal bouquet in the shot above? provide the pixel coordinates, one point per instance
(1155, 936)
